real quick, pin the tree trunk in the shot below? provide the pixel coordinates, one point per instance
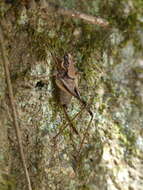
(107, 154)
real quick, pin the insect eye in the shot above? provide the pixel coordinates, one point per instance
(66, 57)
(66, 61)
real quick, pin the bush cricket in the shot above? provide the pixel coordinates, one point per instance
(66, 79)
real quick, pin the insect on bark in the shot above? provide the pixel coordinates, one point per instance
(66, 79)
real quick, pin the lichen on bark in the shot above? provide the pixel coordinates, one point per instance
(110, 63)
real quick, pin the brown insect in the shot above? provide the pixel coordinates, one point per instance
(66, 78)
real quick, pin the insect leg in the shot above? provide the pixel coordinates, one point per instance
(64, 127)
(69, 121)
(85, 134)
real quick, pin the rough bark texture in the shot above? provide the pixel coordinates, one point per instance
(110, 63)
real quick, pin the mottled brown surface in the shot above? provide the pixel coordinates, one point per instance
(110, 66)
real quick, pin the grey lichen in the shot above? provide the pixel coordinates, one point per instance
(110, 67)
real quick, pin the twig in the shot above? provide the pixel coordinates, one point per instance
(76, 14)
(14, 112)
